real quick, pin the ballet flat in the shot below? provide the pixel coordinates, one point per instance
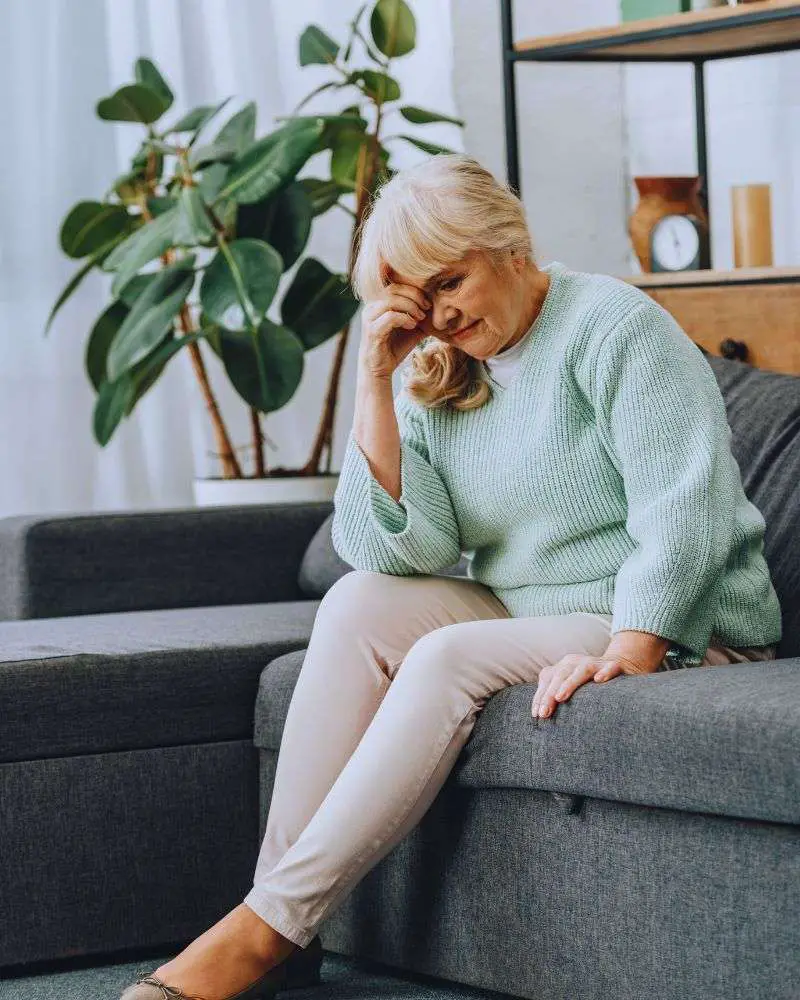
(301, 968)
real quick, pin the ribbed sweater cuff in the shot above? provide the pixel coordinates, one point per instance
(398, 517)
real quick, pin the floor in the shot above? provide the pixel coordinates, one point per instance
(343, 978)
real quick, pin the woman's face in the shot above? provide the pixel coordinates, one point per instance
(475, 308)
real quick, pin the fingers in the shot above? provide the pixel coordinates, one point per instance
(373, 311)
(408, 298)
(391, 320)
(559, 681)
(608, 671)
(549, 680)
(394, 288)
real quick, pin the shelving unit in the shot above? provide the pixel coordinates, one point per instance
(696, 37)
(748, 313)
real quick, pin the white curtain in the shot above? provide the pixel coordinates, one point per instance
(56, 60)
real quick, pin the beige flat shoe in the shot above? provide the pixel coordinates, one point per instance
(301, 968)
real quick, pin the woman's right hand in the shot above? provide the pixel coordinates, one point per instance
(391, 328)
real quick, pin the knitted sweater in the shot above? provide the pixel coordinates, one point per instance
(600, 479)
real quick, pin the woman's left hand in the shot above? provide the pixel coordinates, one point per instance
(558, 680)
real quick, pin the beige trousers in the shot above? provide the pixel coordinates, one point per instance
(396, 671)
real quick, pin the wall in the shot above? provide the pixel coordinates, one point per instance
(570, 128)
(753, 115)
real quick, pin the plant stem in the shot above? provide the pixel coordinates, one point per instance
(258, 442)
(255, 423)
(230, 463)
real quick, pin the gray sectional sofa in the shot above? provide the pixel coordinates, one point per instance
(642, 843)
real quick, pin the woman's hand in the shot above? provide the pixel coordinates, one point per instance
(558, 681)
(392, 326)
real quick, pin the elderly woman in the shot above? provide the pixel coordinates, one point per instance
(562, 429)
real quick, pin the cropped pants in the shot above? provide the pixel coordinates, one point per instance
(396, 671)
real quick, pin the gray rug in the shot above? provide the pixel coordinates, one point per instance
(343, 978)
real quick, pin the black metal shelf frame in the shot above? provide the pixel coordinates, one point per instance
(592, 51)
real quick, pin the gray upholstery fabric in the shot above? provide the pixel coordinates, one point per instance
(321, 566)
(108, 851)
(502, 888)
(715, 740)
(764, 416)
(97, 563)
(100, 683)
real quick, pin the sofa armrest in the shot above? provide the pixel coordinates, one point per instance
(53, 566)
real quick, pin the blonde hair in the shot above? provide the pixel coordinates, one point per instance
(426, 218)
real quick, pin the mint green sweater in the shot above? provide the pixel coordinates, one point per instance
(600, 479)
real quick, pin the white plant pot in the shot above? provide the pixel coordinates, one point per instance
(269, 490)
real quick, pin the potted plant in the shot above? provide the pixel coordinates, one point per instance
(200, 231)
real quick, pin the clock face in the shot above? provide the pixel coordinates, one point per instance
(675, 242)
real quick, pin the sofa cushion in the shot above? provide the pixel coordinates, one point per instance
(322, 566)
(711, 739)
(54, 565)
(138, 679)
(763, 411)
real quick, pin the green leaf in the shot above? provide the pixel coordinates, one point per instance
(318, 303)
(192, 120)
(346, 155)
(193, 226)
(92, 225)
(419, 116)
(195, 119)
(211, 181)
(102, 334)
(240, 283)
(214, 152)
(70, 287)
(150, 241)
(213, 334)
(266, 368)
(159, 204)
(393, 28)
(272, 162)
(427, 147)
(322, 194)
(379, 86)
(317, 47)
(240, 130)
(148, 371)
(134, 288)
(333, 127)
(149, 76)
(151, 318)
(283, 221)
(116, 399)
(112, 401)
(133, 103)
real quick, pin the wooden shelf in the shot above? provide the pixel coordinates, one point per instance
(751, 313)
(738, 276)
(719, 32)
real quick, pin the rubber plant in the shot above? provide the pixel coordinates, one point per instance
(201, 229)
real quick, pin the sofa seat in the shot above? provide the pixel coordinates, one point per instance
(136, 679)
(719, 740)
